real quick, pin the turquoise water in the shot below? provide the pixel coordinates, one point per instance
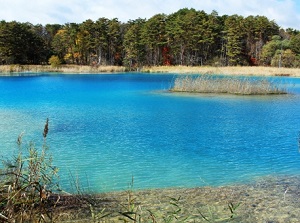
(104, 129)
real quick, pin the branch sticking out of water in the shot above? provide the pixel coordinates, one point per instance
(46, 129)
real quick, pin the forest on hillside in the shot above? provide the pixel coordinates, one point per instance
(187, 37)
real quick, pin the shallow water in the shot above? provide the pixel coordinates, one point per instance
(106, 129)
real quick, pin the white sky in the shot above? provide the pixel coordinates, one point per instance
(286, 13)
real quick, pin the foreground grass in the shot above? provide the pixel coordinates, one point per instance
(267, 200)
(226, 85)
(271, 199)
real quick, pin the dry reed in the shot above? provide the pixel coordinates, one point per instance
(226, 85)
(235, 71)
(9, 69)
(249, 71)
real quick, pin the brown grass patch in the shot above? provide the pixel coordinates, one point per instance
(249, 71)
(74, 69)
(8, 69)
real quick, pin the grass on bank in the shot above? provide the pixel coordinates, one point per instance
(248, 71)
(226, 85)
(16, 68)
(229, 70)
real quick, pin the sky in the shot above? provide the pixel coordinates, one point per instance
(286, 13)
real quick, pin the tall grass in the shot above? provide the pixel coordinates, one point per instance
(26, 184)
(226, 85)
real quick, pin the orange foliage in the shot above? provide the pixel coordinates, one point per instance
(166, 56)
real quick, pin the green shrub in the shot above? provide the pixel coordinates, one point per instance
(54, 61)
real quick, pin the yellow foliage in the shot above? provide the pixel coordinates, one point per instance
(61, 32)
(68, 56)
(54, 61)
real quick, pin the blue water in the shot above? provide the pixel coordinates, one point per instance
(106, 129)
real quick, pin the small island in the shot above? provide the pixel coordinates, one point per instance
(226, 85)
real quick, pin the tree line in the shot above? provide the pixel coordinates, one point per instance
(187, 37)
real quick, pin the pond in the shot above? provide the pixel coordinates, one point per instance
(105, 129)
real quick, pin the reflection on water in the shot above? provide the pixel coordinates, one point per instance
(107, 128)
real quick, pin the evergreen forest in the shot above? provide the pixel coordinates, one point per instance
(187, 37)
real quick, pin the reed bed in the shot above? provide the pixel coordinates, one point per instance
(226, 85)
(9, 69)
(237, 71)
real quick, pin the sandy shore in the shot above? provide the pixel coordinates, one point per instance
(270, 199)
(9, 70)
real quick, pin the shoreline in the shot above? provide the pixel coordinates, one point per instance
(237, 71)
(10, 70)
(268, 199)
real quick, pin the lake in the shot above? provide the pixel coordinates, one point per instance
(106, 129)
